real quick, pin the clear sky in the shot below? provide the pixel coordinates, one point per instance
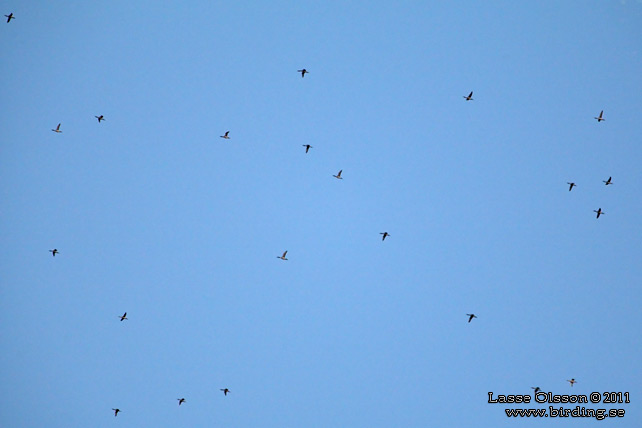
(154, 215)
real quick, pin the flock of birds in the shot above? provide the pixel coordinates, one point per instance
(226, 136)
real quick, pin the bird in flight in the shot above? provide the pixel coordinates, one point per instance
(307, 147)
(338, 175)
(123, 317)
(599, 118)
(471, 316)
(607, 182)
(57, 129)
(303, 72)
(283, 256)
(225, 390)
(226, 136)
(570, 186)
(469, 97)
(572, 381)
(385, 234)
(116, 411)
(180, 401)
(10, 17)
(100, 118)
(599, 212)
(536, 388)
(54, 252)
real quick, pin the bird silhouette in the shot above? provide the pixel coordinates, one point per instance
(307, 147)
(54, 252)
(10, 17)
(116, 411)
(471, 316)
(607, 182)
(303, 71)
(599, 212)
(536, 388)
(572, 381)
(226, 136)
(385, 234)
(283, 256)
(180, 401)
(100, 118)
(123, 317)
(57, 129)
(469, 97)
(599, 118)
(338, 175)
(570, 186)
(225, 390)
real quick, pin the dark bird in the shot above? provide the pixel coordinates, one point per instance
(225, 390)
(599, 118)
(10, 17)
(123, 317)
(607, 182)
(57, 129)
(471, 316)
(536, 388)
(303, 72)
(100, 118)
(283, 256)
(572, 381)
(338, 175)
(116, 411)
(385, 234)
(599, 212)
(469, 97)
(307, 147)
(180, 401)
(570, 186)
(226, 136)
(54, 252)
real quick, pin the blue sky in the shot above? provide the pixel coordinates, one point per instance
(155, 215)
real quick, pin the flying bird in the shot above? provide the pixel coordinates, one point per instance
(123, 317)
(599, 212)
(385, 234)
(116, 411)
(303, 72)
(10, 17)
(283, 256)
(226, 136)
(469, 97)
(471, 316)
(100, 118)
(54, 252)
(57, 129)
(599, 118)
(536, 388)
(180, 401)
(572, 381)
(307, 147)
(570, 186)
(338, 175)
(225, 390)
(607, 182)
